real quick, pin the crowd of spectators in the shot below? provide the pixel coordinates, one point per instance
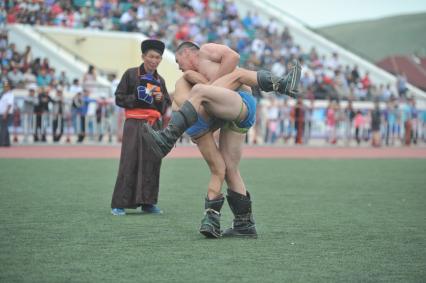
(42, 116)
(395, 122)
(42, 110)
(261, 43)
(45, 112)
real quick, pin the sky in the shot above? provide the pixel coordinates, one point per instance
(319, 13)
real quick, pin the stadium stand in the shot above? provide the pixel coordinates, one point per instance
(261, 42)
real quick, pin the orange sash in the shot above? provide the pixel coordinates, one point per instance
(150, 115)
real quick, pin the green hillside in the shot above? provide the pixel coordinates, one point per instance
(377, 39)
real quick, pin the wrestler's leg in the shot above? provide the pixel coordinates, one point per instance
(265, 80)
(219, 102)
(205, 143)
(230, 145)
(214, 160)
(210, 224)
(182, 93)
(237, 78)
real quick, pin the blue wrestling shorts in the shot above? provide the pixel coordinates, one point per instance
(250, 102)
(250, 120)
(202, 126)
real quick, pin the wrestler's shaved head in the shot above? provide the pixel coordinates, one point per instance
(187, 45)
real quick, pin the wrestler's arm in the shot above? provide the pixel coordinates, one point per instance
(181, 93)
(194, 77)
(206, 143)
(227, 58)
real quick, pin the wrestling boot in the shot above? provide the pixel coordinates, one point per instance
(243, 224)
(161, 142)
(210, 224)
(287, 85)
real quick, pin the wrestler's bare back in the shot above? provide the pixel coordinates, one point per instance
(208, 65)
(209, 60)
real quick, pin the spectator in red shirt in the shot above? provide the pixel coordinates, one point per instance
(366, 82)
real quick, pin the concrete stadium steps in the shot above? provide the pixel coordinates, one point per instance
(59, 58)
(111, 51)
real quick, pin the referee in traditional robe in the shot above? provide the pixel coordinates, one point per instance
(143, 94)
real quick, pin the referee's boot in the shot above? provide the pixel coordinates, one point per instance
(210, 224)
(162, 141)
(243, 224)
(286, 85)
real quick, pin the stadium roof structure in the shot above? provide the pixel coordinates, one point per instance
(413, 67)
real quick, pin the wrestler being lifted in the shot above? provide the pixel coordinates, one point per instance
(211, 62)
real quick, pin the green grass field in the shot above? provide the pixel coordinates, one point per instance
(318, 221)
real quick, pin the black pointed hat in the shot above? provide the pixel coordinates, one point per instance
(153, 44)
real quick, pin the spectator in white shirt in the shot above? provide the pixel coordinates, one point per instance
(278, 68)
(6, 111)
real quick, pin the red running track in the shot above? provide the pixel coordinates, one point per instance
(113, 151)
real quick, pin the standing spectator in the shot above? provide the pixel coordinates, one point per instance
(407, 122)
(114, 83)
(42, 114)
(117, 112)
(63, 80)
(348, 122)
(140, 187)
(76, 110)
(414, 121)
(30, 102)
(299, 116)
(90, 113)
(285, 121)
(58, 116)
(376, 117)
(103, 119)
(358, 124)
(6, 113)
(387, 93)
(401, 85)
(89, 79)
(84, 110)
(391, 122)
(366, 131)
(340, 120)
(75, 87)
(309, 118)
(331, 122)
(272, 122)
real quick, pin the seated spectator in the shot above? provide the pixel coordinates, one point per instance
(43, 78)
(15, 77)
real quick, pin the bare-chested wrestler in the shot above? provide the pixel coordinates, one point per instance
(201, 134)
(216, 97)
